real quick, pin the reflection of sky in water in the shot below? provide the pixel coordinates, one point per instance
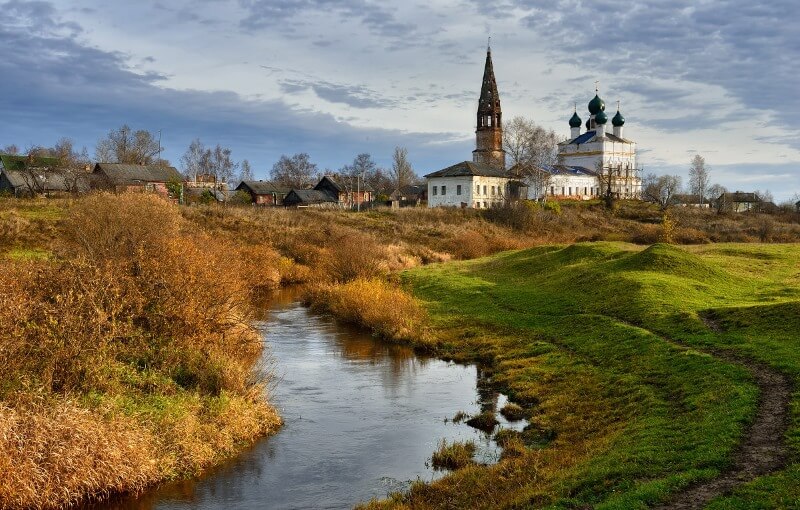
(362, 418)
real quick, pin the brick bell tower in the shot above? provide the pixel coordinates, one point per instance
(489, 134)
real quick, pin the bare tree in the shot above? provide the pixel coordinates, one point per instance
(194, 161)
(715, 192)
(661, 189)
(127, 146)
(526, 143)
(402, 174)
(245, 171)
(220, 164)
(698, 177)
(295, 172)
(11, 149)
(529, 148)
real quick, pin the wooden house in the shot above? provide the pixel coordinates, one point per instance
(264, 192)
(309, 198)
(739, 201)
(347, 197)
(30, 175)
(121, 177)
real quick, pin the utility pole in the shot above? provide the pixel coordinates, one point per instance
(159, 148)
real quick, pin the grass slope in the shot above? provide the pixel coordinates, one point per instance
(581, 335)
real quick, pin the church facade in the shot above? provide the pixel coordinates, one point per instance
(607, 153)
(482, 182)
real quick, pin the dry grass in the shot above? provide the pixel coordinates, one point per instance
(130, 356)
(376, 304)
(453, 456)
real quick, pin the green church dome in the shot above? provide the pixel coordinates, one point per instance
(575, 121)
(601, 117)
(596, 105)
(618, 120)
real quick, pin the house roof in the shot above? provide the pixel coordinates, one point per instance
(46, 180)
(263, 187)
(687, 198)
(19, 162)
(360, 185)
(589, 136)
(469, 168)
(122, 173)
(740, 196)
(309, 196)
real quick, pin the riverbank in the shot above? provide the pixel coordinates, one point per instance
(582, 338)
(128, 352)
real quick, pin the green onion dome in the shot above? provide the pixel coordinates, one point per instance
(575, 121)
(618, 120)
(596, 105)
(601, 117)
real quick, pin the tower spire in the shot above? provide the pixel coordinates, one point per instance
(489, 132)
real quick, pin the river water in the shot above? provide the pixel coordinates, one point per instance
(362, 418)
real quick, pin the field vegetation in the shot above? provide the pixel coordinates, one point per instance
(606, 346)
(126, 330)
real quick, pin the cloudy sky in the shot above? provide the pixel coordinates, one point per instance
(336, 78)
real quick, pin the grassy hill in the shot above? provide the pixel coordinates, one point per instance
(607, 345)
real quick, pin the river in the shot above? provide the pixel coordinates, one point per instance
(362, 418)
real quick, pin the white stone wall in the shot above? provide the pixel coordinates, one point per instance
(613, 154)
(579, 187)
(472, 191)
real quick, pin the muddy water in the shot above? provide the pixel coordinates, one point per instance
(362, 418)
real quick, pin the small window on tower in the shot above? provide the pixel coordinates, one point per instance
(458, 189)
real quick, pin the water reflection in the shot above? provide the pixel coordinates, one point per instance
(362, 417)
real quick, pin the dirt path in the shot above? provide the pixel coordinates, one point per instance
(763, 447)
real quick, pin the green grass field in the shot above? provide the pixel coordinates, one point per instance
(593, 339)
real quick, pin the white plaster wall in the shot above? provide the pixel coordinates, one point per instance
(469, 193)
(576, 182)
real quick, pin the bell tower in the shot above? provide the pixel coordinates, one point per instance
(489, 133)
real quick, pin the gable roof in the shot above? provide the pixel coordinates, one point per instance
(122, 173)
(46, 180)
(20, 162)
(469, 168)
(330, 182)
(308, 196)
(559, 170)
(262, 187)
(740, 196)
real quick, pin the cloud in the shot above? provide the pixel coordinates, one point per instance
(351, 95)
(56, 86)
(747, 48)
(288, 14)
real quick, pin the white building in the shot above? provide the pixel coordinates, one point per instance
(482, 182)
(601, 151)
(468, 184)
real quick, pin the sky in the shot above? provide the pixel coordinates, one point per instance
(338, 78)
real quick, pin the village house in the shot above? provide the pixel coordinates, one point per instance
(309, 198)
(739, 201)
(121, 177)
(32, 175)
(328, 193)
(264, 192)
(412, 195)
(482, 182)
(691, 200)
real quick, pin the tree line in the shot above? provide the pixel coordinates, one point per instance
(216, 163)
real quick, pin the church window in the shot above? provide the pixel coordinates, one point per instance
(478, 189)
(484, 190)
(570, 190)
(435, 190)
(444, 190)
(484, 205)
(562, 191)
(458, 189)
(585, 190)
(492, 190)
(552, 190)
